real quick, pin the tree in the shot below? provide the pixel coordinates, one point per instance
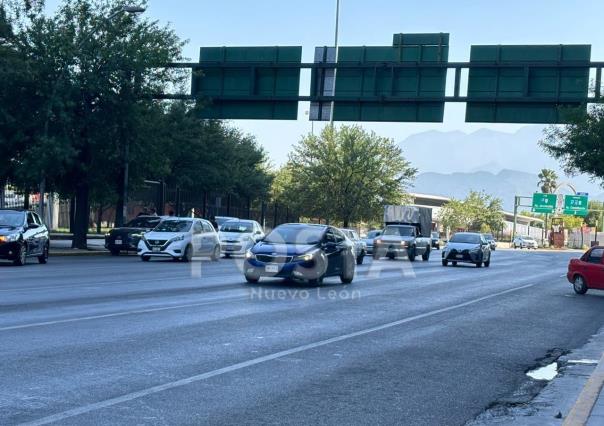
(477, 212)
(548, 181)
(579, 145)
(596, 215)
(96, 77)
(345, 175)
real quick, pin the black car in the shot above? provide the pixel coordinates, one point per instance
(22, 235)
(301, 252)
(435, 237)
(468, 247)
(127, 237)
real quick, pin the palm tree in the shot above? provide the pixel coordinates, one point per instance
(548, 181)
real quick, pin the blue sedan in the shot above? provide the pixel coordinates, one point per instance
(301, 252)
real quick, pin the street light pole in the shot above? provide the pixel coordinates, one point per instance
(335, 70)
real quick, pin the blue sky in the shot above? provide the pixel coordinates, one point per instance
(310, 23)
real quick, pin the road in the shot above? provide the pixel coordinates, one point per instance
(102, 340)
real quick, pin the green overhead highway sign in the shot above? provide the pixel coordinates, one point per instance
(544, 203)
(576, 205)
(248, 82)
(560, 88)
(372, 87)
(405, 82)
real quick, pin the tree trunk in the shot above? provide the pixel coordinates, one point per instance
(346, 223)
(26, 200)
(82, 215)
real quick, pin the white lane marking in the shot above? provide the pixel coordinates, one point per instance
(203, 376)
(120, 314)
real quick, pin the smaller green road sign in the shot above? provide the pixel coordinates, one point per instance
(575, 205)
(544, 203)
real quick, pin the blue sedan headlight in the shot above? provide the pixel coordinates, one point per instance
(249, 255)
(306, 257)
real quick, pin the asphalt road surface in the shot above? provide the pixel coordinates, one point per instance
(102, 340)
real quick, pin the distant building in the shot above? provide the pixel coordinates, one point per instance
(524, 224)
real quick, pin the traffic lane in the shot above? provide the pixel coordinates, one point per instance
(442, 290)
(107, 349)
(115, 301)
(454, 362)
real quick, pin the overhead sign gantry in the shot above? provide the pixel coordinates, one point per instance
(404, 82)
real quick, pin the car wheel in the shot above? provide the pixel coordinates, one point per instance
(360, 258)
(454, 263)
(43, 258)
(411, 254)
(445, 262)
(145, 258)
(487, 263)
(478, 264)
(347, 274)
(115, 252)
(579, 285)
(188, 254)
(252, 280)
(215, 254)
(426, 255)
(21, 258)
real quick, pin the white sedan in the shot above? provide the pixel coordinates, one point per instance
(238, 236)
(180, 238)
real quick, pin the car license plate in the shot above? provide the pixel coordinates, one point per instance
(156, 248)
(118, 242)
(271, 268)
(459, 256)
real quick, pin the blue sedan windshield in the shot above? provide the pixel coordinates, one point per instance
(11, 219)
(295, 235)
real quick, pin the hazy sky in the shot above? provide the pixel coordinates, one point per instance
(310, 23)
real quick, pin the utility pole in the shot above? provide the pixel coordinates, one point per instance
(335, 70)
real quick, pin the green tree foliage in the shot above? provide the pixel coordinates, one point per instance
(477, 212)
(344, 175)
(595, 215)
(208, 155)
(579, 145)
(548, 181)
(76, 92)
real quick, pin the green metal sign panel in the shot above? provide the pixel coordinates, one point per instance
(576, 205)
(245, 83)
(544, 203)
(368, 92)
(556, 89)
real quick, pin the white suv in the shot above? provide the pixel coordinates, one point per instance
(238, 236)
(180, 238)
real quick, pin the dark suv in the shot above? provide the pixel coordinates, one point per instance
(22, 235)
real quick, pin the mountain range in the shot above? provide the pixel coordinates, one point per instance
(501, 164)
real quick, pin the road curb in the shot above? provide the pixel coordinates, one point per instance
(581, 410)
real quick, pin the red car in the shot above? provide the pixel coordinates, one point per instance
(588, 271)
